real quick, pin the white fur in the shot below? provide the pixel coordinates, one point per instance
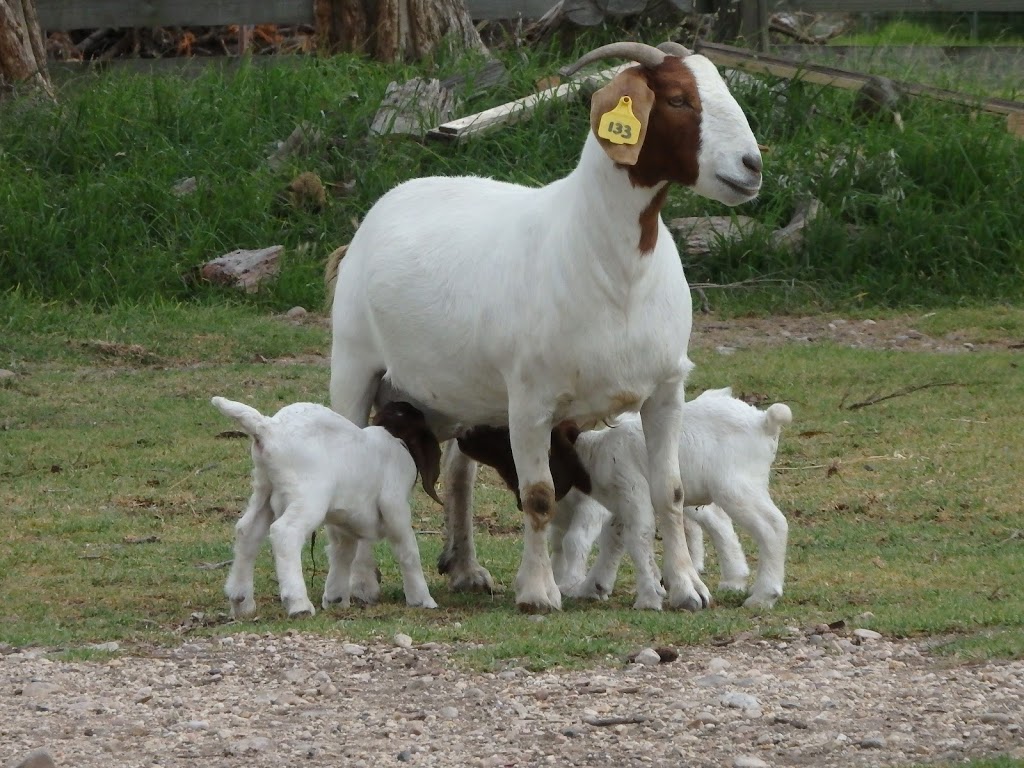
(488, 303)
(312, 466)
(725, 457)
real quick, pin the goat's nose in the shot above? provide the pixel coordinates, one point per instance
(753, 162)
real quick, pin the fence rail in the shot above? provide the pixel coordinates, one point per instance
(91, 14)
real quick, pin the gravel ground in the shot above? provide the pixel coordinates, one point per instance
(817, 698)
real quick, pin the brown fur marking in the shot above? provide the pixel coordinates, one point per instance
(539, 505)
(649, 225)
(408, 424)
(672, 138)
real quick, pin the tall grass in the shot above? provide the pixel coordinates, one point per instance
(90, 214)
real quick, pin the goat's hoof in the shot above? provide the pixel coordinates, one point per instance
(335, 602)
(242, 607)
(647, 603)
(365, 590)
(469, 577)
(428, 602)
(766, 602)
(299, 609)
(537, 608)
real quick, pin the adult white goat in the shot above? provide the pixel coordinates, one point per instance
(488, 303)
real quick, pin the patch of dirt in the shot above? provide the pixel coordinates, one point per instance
(817, 698)
(886, 333)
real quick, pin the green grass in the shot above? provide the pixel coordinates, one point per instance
(930, 216)
(104, 448)
(942, 29)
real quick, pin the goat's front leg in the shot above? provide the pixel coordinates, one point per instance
(530, 433)
(458, 559)
(661, 416)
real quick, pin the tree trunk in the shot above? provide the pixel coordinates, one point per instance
(395, 30)
(22, 53)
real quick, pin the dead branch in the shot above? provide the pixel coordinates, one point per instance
(615, 720)
(874, 399)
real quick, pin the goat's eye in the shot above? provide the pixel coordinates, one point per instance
(678, 101)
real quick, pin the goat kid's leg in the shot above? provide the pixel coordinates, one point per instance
(637, 517)
(458, 559)
(731, 559)
(250, 532)
(530, 434)
(757, 514)
(600, 579)
(661, 416)
(398, 528)
(355, 378)
(341, 550)
(694, 539)
(364, 577)
(288, 534)
(576, 527)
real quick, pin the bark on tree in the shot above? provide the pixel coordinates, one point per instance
(395, 30)
(22, 52)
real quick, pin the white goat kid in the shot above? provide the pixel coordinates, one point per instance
(311, 466)
(487, 303)
(579, 521)
(725, 457)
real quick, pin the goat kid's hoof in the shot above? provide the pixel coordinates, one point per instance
(735, 585)
(302, 611)
(761, 601)
(588, 590)
(537, 608)
(335, 602)
(471, 577)
(243, 607)
(690, 600)
(647, 603)
(426, 603)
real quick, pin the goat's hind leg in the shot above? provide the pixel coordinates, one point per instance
(398, 529)
(288, 534)
(458, 559)
(341, 551)
(250, 532)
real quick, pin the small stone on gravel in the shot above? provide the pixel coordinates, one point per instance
(352, 649)
(648, 657)
(37, 758)
(748, 761)
(449, 713)
(296, 313)
(737, 700)
(402, 640)
(1000, 718)
(867, 634)
(872, 742)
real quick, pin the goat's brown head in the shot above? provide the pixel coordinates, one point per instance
(492, 446)
(691, 132)
(408, 424)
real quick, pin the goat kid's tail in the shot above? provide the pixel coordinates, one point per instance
(777, 416)
(253, 422)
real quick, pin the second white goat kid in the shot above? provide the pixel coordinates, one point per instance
(725, 455)
(312, 466)
(488, 303)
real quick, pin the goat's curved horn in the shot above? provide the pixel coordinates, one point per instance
(645, 54)
(673, 48)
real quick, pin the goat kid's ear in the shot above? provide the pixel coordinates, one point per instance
(629, 83)
(426, 452)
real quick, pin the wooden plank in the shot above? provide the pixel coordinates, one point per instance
(895, 6)
(88, 14)
(514, 111)
(761, 63)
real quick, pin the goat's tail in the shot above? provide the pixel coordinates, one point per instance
(776, 417)
(331, 273)
(253, 422)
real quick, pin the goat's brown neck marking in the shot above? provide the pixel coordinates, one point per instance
(649, 221)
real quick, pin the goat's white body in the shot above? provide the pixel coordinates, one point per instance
(725, 457)
(484, 308)
(511, 283)
(312, 466)
(488, 303)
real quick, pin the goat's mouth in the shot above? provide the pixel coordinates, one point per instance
(743, 190)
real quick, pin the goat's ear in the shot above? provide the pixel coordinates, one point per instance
(629, 83)
(426, 452)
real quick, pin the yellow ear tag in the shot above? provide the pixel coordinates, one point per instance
(620, 125)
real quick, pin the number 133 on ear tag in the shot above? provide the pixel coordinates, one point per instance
(620, 125)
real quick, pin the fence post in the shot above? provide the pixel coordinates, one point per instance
(754, 23)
